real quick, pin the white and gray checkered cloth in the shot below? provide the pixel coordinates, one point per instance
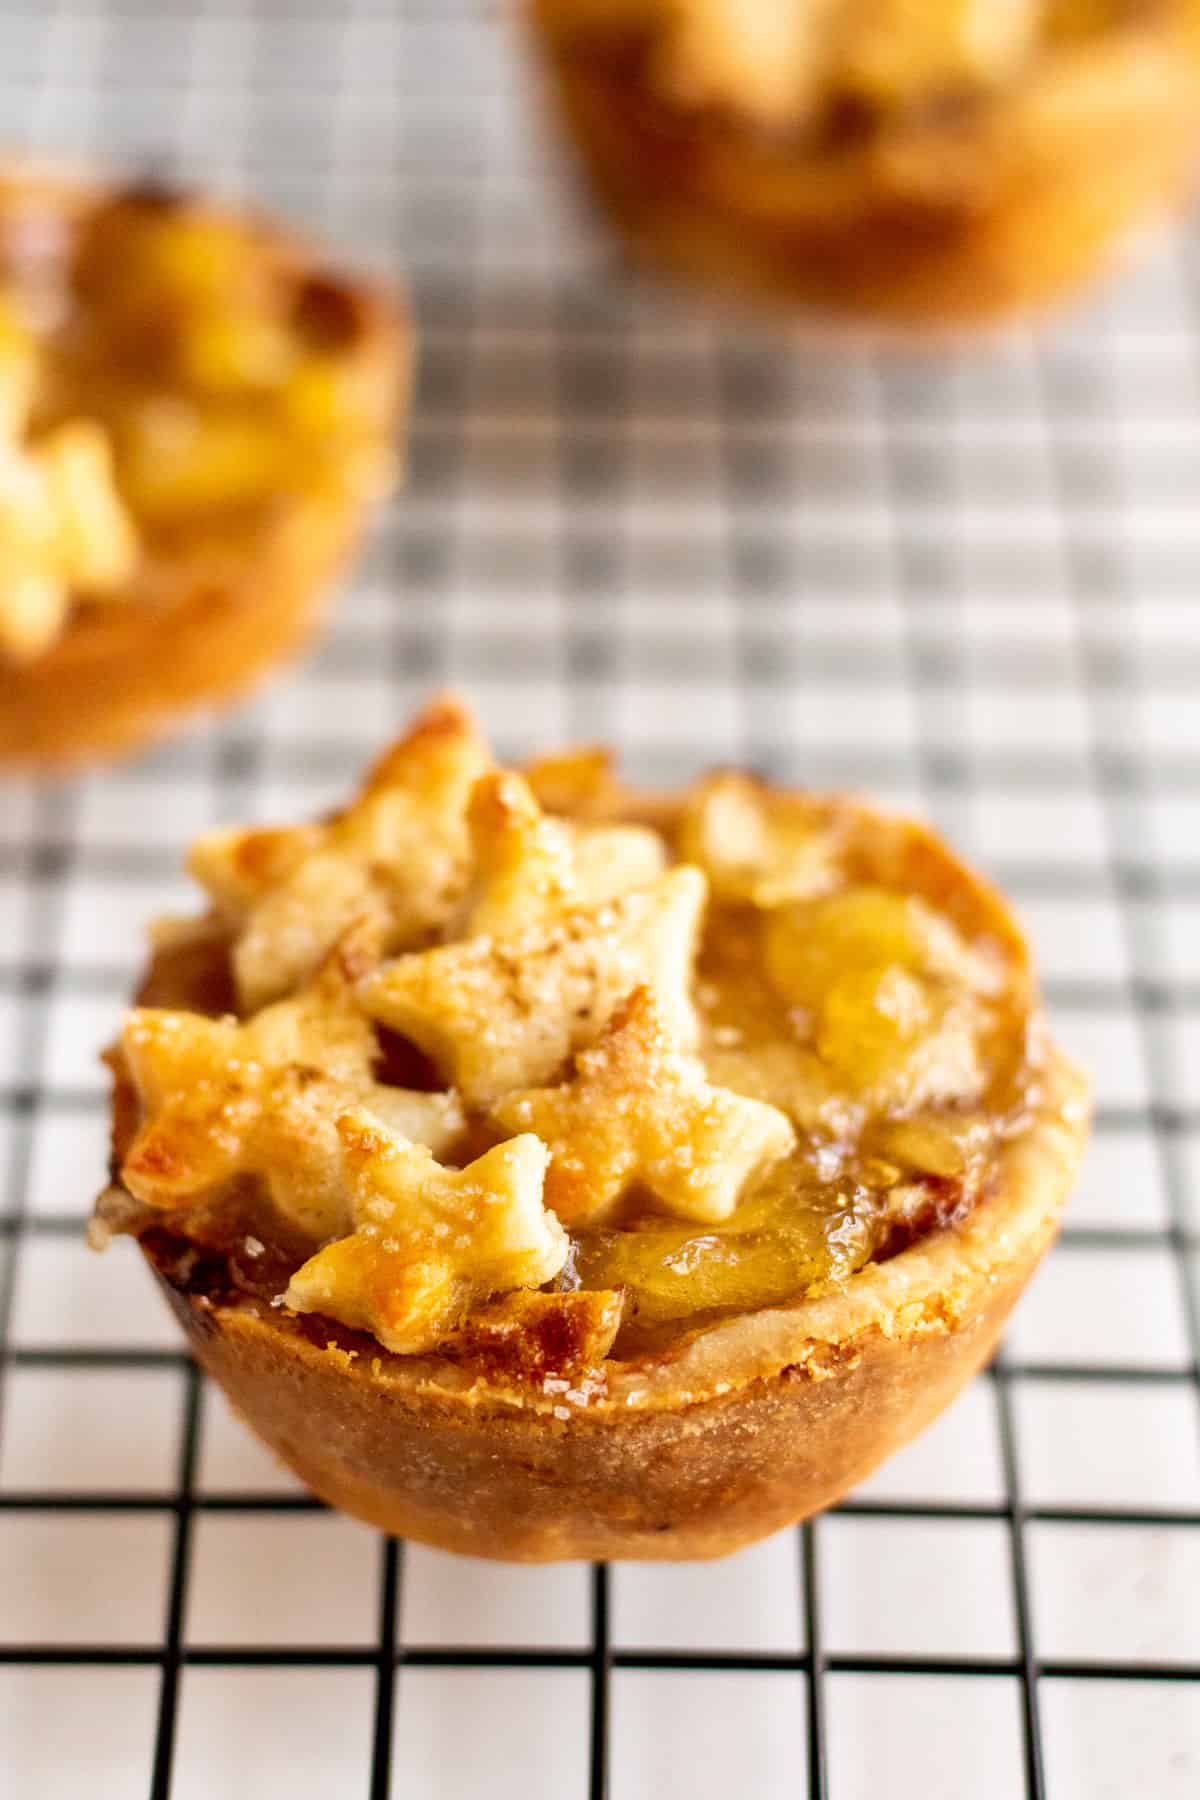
(966, 580)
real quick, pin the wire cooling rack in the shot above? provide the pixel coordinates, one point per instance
(965, 581)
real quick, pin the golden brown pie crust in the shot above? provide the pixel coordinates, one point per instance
(212, 619)
(729, 1433)
(754, 1424)
(969, 216)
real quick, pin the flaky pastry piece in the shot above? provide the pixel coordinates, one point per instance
(498, 1013)
(425, 828)
(64, 531)
(429, 1243)
(635, 1194)
(223, 1097)
(639, 1110)
(920, 160)
(398, 855)
(195, 417)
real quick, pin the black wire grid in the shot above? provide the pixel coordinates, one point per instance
(965, 581)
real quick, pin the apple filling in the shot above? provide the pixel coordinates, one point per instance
(168, 373)
(467, 1069)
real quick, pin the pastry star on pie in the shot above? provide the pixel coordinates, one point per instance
(752, 1134)
(429, 1243)
(398, 854)
(638, 1110)
(499, 1013)
(222, 1098)
(530, 867)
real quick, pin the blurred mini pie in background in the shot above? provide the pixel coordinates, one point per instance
(919, 160)
(195, 415)
(547, 1169)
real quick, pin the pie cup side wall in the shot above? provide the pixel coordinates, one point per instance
(1066, 189)
(701, 1482)
(815, 1396)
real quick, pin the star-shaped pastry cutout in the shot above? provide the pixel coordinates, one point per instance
(496, 1014)
(430, 1243)
(759, 845)
(528, 867)
(400, 853)
(221, 1098)
(640, 1112)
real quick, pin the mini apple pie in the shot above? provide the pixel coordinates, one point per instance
(916, 159)
(549, 1170)
(194, 416)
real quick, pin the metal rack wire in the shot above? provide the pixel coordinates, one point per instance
(944, 578)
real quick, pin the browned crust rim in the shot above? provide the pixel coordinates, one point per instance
(943, 1278)
(935, 1286)
(119, 677)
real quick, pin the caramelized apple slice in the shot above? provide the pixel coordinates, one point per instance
(775, 1247)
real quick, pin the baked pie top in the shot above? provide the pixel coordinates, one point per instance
(169, 373)
(829, 66)
(612, 1071)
